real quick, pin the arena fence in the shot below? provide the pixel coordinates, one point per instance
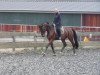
(32, 38)
(18, 28)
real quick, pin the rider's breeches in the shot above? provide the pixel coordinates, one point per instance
(58, 32)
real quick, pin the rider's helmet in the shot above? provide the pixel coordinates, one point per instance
(56, 10)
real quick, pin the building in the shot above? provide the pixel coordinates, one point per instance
(34, 12)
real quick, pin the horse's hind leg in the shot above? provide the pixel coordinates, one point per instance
(64, 45)
(73, 44)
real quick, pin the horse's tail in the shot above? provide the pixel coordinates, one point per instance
(75, 39)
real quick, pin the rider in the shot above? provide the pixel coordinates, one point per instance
(57, 23)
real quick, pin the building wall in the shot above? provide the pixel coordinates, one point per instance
(91, 20)
(17, 21)
(38, 18)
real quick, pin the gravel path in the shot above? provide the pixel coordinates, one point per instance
(86, 62)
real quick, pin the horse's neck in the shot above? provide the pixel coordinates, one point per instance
(49, 30)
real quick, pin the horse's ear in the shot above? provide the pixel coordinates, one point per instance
(40, 25)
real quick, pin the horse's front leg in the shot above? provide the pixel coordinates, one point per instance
(50, 43)
(46, 49)
(53, 48)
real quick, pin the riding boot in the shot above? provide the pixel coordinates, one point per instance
(56, 38)
(59, 34)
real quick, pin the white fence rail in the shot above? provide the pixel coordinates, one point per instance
(29, 39)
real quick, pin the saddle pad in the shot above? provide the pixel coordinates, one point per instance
(62, 30)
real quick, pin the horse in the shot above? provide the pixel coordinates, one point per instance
(69, 33)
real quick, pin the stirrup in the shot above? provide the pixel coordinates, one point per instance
(56, 38)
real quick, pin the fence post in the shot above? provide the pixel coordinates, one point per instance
(13, 38)
(35, 40)
(13, 43)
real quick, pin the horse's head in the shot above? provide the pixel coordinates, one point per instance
(43, 29)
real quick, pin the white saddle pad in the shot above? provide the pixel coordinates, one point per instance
(62, 30)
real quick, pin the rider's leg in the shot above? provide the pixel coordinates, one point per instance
(59, 33)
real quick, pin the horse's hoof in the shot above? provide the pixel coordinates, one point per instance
(43, 54)
(61, 53)
(75, 54)
(54, 54)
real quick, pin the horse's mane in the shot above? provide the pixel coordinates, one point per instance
(50, 26)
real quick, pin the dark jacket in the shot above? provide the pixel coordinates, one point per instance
(57, 20)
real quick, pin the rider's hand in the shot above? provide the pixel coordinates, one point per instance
(54, 24)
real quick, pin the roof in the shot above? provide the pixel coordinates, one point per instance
(50, 0)
(47, 7)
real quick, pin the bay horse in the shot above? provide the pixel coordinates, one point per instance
(51, 35)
